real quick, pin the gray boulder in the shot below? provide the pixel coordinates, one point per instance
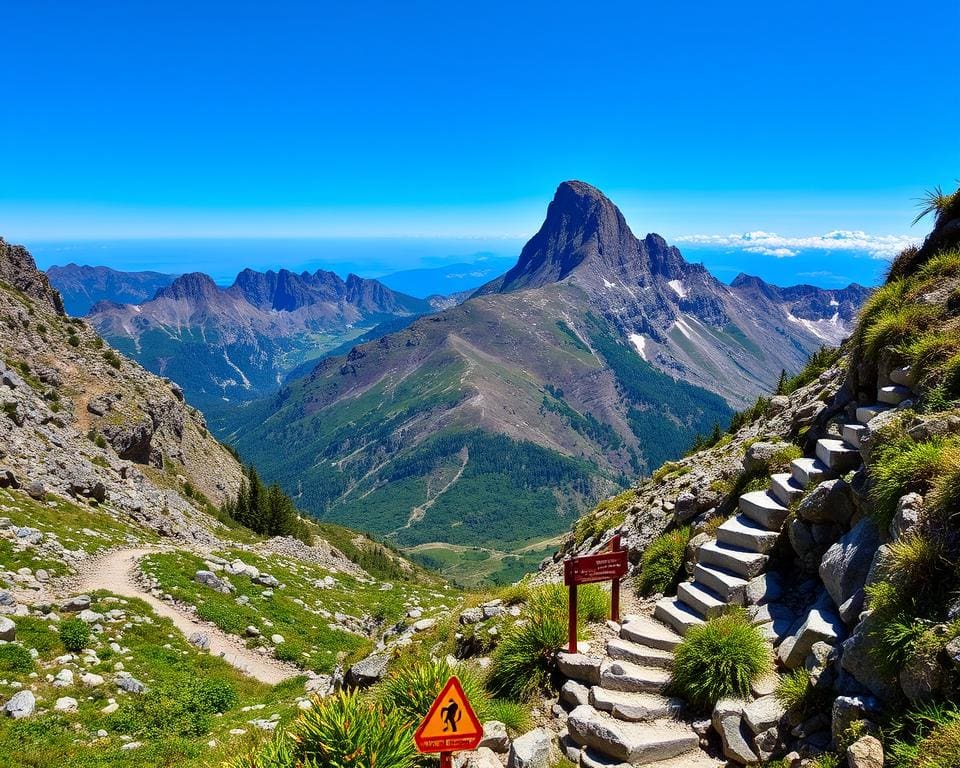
(130, 684)
(757, 458)
(578, 666)
(75, 604)
(908, 514)
(845, 566)
(763, 713)
(210, 579)
(865, 752)
(266, 580)
(36, 490)
(495, 736)
(727, 721)
(367, 671)
(829, 502)
(8, 630)
(821, 624)
(200, 639)
(850, 709)
(483, 757)
(532, 750)
(22, 704)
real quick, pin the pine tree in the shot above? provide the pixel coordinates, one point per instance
(782, 383)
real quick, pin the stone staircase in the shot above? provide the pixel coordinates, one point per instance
(620, 716)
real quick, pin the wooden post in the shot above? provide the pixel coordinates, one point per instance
(446, 760)
(572, 620)
(615, 587)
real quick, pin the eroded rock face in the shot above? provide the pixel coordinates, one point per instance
(845, 566)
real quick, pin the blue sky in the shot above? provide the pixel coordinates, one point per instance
(450, 120)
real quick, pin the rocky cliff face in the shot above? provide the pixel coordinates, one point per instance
(81, 421)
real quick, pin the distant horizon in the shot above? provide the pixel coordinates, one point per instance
(792, 261)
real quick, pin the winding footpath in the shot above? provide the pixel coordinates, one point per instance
(115, 571)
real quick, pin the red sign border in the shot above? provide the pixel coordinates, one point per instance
(452, 684)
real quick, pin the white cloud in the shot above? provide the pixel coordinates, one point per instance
(772, 244)
(780, 253)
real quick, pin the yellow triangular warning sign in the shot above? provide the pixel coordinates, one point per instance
(451, 724)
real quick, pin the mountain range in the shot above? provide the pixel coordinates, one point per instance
(240, 341)
(83, 286)
(597, 356)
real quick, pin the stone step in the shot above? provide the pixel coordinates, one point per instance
(867, 412)
(739, 561)
(677, 615)
(903, 376)
(763, 508)
(852, 432)
(809, 472)
(645, 631)
(635, 707)
(702, 599)
(643, 655)
(785, 489)
(893, 394)
(632, 743)
(726, 584)
(838, 455)
(741, 531)
(623, 676)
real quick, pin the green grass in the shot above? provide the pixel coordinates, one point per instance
(720, 658)
(927, 736)
(662, 562)
(174, 720)
(902, 466)
(309, 639)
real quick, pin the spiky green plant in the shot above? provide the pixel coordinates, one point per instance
(662, 561)
(513, 714)
(411, 688)
(348, 730)
(934, 201)
(720, 658)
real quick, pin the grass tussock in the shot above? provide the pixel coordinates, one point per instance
(926, 737)
(720, 658)
(524, 661)
(901, 466)
(662, 562)
(411, 688)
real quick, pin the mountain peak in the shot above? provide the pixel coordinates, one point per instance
(193, 285)
(581, 225)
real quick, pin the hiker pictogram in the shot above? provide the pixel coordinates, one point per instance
(451, 724)
(451, 716)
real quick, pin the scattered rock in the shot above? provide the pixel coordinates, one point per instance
(8, 630)
(495, 736)
(131, 684)
(483, 757)
(367, 671)
(22, 704)
(728, 722)
(201, 640)
(829, 502)
(76, 604)
(532, 750)
(865, 752)
(66, 704)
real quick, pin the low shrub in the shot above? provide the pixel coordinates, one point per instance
(593, 601)
(15, 658)
(720, 658)
(819, 362)
(288, 651)
(74, 634)
(793, 690)
(182, 708)
(662, 562)
(112, 358)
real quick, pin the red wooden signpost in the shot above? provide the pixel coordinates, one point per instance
(606, 566)
(450, 726)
